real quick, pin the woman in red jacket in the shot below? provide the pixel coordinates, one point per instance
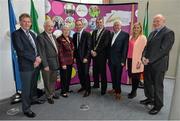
(66, 59)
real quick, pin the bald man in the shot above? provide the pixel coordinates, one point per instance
(156, 58)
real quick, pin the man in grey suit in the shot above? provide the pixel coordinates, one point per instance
(156, 59)
(50, 64)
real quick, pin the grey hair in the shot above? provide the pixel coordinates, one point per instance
(48, 21)
(118, 21)
(66, 26)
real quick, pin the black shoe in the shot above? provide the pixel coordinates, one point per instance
(146, 101)
(86, 94)
(55, 96)
(64, 95)
(154, 111)
(30, 114)
(103, 93)
(50, 101)
(80, 90)
(70, 91)
(132, 95)
(38, 102)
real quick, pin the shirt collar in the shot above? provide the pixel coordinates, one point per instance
(48, 34)
(25, 31)
(116, 33)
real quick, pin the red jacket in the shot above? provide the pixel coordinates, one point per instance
(66, 51)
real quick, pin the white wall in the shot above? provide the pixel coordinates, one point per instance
(7, 85)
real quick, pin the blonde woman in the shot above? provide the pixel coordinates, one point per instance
(137, 43)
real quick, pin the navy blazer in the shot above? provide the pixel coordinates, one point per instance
(118, 51)
(158, 48)
(84, 48)
(24, 49)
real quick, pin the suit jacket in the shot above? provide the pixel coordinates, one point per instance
(158, 48)
(118, 51)
(24, 49)
(66, 51)
(47, 51)
(84, 48)
(138, 48)
(101, 49)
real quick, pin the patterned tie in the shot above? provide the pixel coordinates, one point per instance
(31, 41)
(155, 33)
(53, 41)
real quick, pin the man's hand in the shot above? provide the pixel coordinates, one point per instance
(64, 67)
(145, 61)
(122, 64)
(93, 53)
(46, 68)
(38, 59)
(36, 64)
(85, 60)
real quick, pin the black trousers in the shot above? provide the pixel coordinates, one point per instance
(83, 74)
(116, 73)
(134, 76)
(28, 79)
(99, 70)
(65, 78)
(153, 85)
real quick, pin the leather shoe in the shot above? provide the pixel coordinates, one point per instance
(118, 96)
(154, 111)
(30, 114)
(50, 101)
(37, 102)
(112, 91)
(70, 91)
(132, 95)
(86, 94)
(64, 95)
(81, 89)
(55, 96)
(145, 102)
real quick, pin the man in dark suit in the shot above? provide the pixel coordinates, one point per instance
(82, 42)
(117, 56)
(100, 38)
(50, 64)
(156, 58)
(24, 42)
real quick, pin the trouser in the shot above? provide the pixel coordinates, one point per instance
(99, 70)
(116, 72)
(83, 74)
(49, 78)
(28, 80)
(65, 78)
(153, 85)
